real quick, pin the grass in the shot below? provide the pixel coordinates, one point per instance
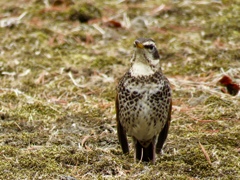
(58, 77)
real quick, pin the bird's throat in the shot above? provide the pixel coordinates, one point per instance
(141, 69)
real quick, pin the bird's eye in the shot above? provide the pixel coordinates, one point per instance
(150, 47)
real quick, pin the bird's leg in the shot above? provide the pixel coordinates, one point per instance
(154, 153)
(154, 144)
(135, 149)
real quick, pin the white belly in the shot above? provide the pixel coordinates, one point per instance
(144, 127)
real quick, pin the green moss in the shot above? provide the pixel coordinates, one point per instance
(38, 111)
(219, 108)
(109, 94)
(215, 102)
(223, 141)
(9, 97)
(103, 61)
(24, 139)
(84, 12)
(8, 151)
(42, 161)
(51, 128)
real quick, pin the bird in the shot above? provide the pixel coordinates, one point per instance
(143, 103)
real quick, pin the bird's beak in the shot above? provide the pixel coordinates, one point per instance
(138, 44)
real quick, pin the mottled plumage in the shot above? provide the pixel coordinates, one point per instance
(143, 103)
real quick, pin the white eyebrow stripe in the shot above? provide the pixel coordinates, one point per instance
(148, 43)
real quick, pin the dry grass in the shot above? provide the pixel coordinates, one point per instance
(58, 78)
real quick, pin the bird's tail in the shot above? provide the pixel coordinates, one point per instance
(144, 154)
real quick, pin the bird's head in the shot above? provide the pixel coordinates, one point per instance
(145, 60)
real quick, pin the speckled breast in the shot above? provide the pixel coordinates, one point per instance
(143, 104)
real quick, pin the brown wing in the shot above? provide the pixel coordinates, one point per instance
(122, 137)
(163, 134)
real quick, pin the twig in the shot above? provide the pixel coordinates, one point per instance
(99, 29)
(84, 140)
(205, 153)
(18, 126)
(74, 82)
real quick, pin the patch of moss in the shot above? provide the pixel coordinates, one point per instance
(63, 155)
(84, 12)
(219, 108)
(198, 165)
(215, 102)
(24, 139)
(223, 140)
(38, 111)
(48, 162)
(104, 61)
(9, 97)
(8, 151)
(109, 94)
(9, 127)
(220, 26)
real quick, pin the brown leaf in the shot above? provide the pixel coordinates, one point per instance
(231, 88)
(114, 24)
